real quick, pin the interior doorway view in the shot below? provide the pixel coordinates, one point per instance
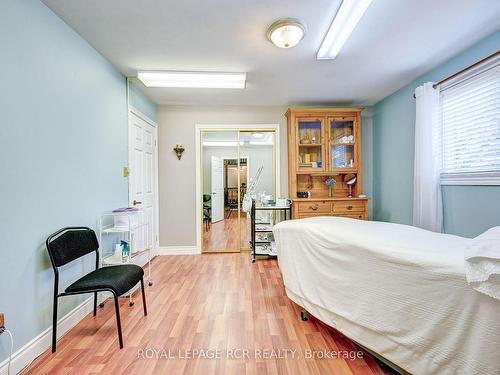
(230, 160)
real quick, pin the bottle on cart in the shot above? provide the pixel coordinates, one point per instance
(125, 249)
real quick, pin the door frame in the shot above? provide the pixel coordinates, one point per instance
(156, 216)
(199, 128)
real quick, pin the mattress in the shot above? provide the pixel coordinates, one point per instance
(398, 290)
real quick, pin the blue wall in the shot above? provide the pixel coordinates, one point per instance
(367, 157)
(468, 210)
(63, 143)
(141, 102)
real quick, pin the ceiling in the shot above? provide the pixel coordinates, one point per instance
(395, 42)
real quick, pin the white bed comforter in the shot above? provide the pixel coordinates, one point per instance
(397, 290)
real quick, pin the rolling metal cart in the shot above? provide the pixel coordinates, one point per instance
(262, 240)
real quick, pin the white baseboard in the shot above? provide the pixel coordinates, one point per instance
(177, 250)
(26, 354)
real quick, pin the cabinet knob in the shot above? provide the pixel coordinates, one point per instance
(349, 207)
(314, 208)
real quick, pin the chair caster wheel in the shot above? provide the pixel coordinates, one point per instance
(101, 305)
(304, 315)
(253, 260)
(150, 283)
(131, 304)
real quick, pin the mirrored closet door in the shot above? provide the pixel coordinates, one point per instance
(231, 162)
(258, 148)
(220, 207)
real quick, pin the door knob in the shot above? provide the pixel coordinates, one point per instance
(135, 203)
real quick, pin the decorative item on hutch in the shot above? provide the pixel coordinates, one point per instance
(324, 162)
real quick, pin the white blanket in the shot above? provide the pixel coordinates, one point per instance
(397, 290)
(482, 263)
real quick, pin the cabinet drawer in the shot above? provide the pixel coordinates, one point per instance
(304, 216)
(360, 216)
(348, 206)
(314, 207)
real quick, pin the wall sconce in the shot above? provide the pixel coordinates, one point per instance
(179, 149)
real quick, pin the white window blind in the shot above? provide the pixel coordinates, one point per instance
(470, 114)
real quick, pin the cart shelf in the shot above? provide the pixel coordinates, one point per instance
(266, 248)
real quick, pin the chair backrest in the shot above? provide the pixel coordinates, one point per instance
(68, 244)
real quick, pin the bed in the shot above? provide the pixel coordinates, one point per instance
(397, 290)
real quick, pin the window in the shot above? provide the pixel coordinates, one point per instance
(470, 115)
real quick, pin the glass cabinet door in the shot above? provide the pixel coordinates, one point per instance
(342, 143)
(310, 144)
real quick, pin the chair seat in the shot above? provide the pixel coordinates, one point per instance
(119, 279)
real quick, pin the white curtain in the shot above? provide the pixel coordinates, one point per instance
(427, 203)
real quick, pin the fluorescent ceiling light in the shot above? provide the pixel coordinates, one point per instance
(346, 19)
(193, 79)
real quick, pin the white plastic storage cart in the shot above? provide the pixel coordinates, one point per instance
(123, 225)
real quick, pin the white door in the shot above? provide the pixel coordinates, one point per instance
(142, 181)
(217, 189)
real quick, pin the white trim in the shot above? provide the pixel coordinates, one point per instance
(199, 192)
(136, 112)
(475, 178)
(177, 250)
(156, 234)
(27, 353)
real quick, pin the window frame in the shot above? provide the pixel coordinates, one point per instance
(479, 178)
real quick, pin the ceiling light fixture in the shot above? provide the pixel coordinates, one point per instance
(214, 80)
(286, 33)
(346, 19)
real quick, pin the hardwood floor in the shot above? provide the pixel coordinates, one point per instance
(205, 302)
(224, 234)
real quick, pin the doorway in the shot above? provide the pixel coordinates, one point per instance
(227, 162)
(227, 177)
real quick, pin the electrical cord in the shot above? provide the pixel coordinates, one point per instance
(2, 330)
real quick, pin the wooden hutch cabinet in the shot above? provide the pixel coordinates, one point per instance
(324, 162)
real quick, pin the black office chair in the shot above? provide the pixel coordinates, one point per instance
(69, 244)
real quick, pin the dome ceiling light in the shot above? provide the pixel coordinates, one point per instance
(286, 33)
